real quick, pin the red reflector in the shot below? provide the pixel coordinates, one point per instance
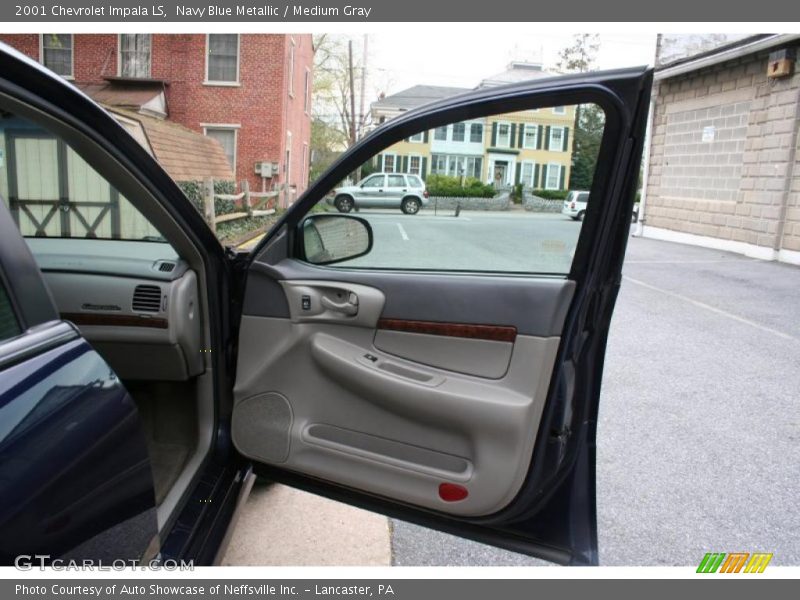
(451, 492)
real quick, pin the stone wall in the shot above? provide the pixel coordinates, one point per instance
(536, 204)
(443, 203)
(723, 160)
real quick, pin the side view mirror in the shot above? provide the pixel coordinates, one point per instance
(328, 239)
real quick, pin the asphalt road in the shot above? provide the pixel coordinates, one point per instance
(500, 241)
(699, 432)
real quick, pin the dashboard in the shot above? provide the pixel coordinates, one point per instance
(135, 302)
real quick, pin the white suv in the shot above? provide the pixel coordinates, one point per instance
(383, 190)
(575, 204)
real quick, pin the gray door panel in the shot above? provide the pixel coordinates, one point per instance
(348, 398)
(534, 306)
(313, 402)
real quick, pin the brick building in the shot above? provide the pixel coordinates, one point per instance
(251, 92)
(723, 169)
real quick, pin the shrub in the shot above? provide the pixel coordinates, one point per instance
(551, 194)
(516, 194)
(446, 186)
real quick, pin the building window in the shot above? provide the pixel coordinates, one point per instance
(134, 54)
(456, 165)
(526, 174)
(291, 67)
(226, 136)
(557, 139)
(553, 181)
(529, 138)
(307, 92)
(415, 165)
(503, 135)
(438, 164)
(57, 53)
(474, 166)
(559, 110)
(440, 134)
(476, 133)
(389, 161)
(223, 58)
(305, 164)
(459, 132)
(417, 137)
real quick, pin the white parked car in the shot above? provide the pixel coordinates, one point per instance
(575, 204)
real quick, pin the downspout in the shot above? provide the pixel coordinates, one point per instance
(639, 229)
(787, 186)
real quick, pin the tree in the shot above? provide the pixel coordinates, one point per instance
(579, 57)
(339, 115)
(339, 77)
(589, 125)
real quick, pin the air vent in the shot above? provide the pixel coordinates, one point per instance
(146, 298)
(166, 267)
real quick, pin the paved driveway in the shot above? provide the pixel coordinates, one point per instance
(699, 433)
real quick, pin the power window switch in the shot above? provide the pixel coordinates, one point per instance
(305, 302)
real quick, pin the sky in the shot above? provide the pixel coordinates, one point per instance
(397, 60)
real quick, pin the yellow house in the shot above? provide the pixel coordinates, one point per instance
(532, 147)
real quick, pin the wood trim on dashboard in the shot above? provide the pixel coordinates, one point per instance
(494, 333)
(105, 319)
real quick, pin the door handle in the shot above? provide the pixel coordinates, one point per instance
(380, 191)
(348, 307)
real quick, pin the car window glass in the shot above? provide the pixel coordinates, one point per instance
(52, 191)
(9, 325)
(489, 202)
(373, 182)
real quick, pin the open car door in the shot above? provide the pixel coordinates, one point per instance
(444, 368)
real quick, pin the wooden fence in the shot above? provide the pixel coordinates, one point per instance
(255, 204)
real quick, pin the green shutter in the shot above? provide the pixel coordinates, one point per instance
(423, 172)
(543, 182)
(547, 138)
(519, 173)
(521, 135)
(379, 163)
(405, 165)
(561, 177)
(513, 135)
(494, 134)
(539, 138)
(425, 136)
(536, 176)
(566, 139)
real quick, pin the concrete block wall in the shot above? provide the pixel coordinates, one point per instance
(723, 160)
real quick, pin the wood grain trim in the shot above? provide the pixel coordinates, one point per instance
(494, 333)
(115, 320)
